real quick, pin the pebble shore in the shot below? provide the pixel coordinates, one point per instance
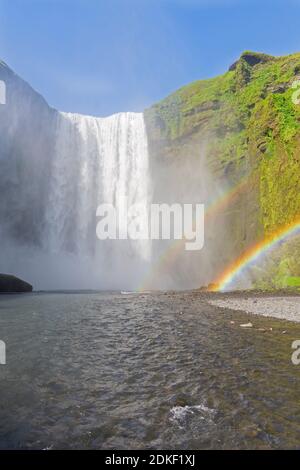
(286, 308)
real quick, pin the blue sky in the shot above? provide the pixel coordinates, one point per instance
(104, 56)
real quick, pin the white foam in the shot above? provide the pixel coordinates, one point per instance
(178, 414)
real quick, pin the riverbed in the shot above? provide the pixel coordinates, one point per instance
(145, 371)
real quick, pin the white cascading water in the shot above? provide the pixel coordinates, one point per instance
(97, 160)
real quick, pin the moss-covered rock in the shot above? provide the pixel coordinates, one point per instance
(252, 125)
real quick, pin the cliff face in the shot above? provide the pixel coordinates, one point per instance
(250, 119)
(26, 139)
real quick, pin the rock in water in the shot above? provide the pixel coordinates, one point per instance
(9, 283)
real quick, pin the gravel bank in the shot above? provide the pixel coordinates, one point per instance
(286, 308)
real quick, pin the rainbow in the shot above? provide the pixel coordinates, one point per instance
(253, 255)
(167, 258)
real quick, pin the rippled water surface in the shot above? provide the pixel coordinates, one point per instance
(155, 371)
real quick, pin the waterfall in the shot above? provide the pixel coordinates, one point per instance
(91, 161)
(56, 169)
(96, 160)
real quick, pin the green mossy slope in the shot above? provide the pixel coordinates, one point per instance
(251, 121)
